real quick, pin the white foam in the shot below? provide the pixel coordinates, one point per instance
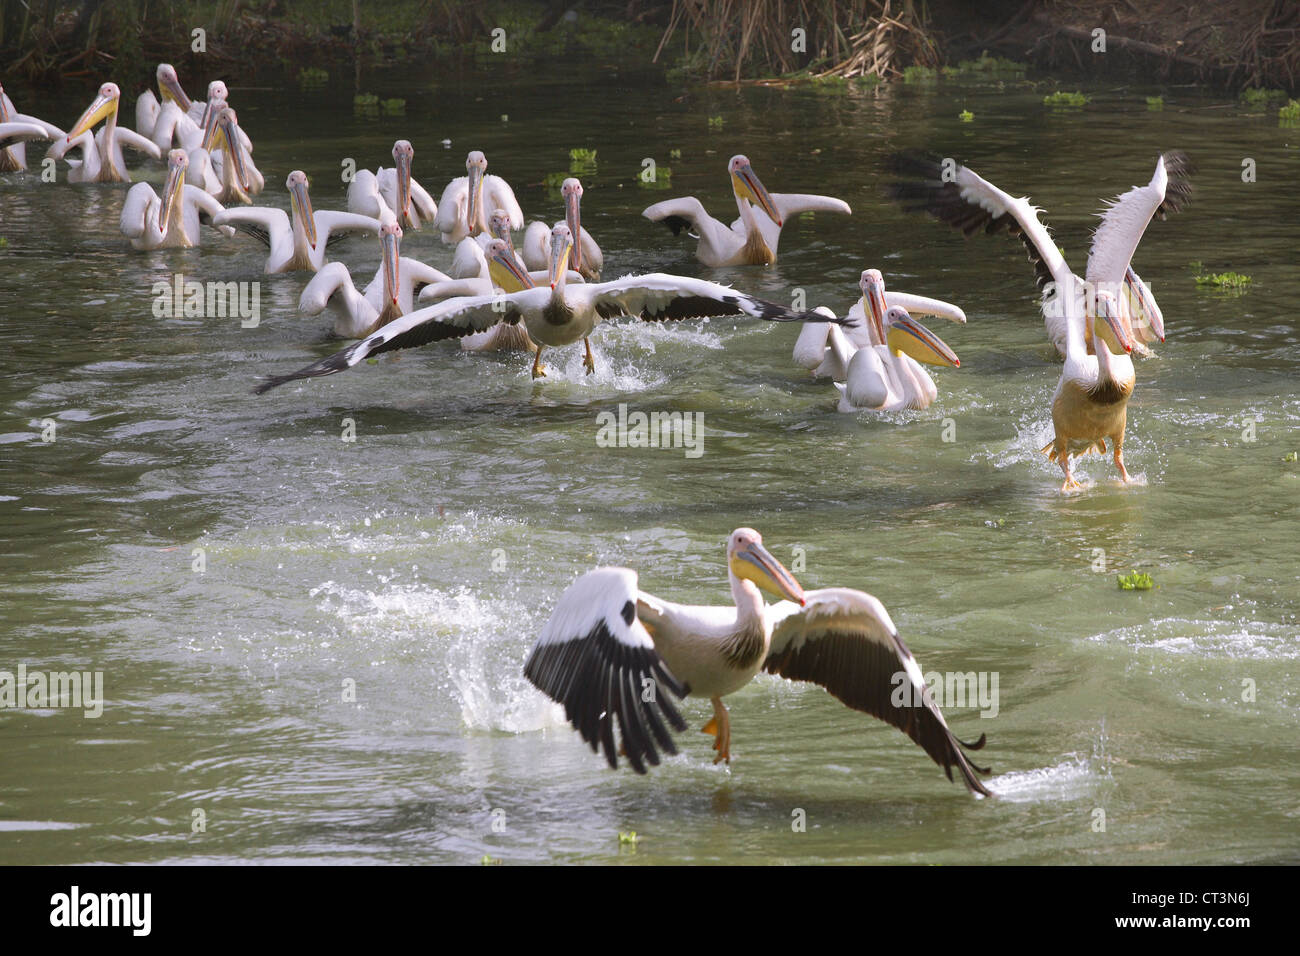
(1065, 781)
(1241, 639)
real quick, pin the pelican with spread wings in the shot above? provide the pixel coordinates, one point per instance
(614, 653)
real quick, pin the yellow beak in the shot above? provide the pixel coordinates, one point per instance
(753, 562)
(910, 337)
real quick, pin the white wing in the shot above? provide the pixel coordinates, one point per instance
(497, 194)
(658, 295)
(1127, 216)
(364, 196)
(135, 209)
(535, 250)
(717, 241)
(845, 641)
(792, 204)
(596, 658)
(329, 222)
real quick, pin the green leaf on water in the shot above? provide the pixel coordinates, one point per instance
(1135, 581)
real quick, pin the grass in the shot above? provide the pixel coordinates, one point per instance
(1135, 581)
(986, 66)
(920, 74)
(312, 77)
(1224, 281)
(1289, 114)
(1063, 100)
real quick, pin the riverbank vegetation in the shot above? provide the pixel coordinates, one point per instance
(1235, 44)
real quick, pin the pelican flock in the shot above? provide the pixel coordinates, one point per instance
(605, 638)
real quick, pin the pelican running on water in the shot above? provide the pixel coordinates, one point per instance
(588, 260)
(297, 240)
(462, 210)
(558, 315)
(17, 130)
(390, 294)
(101, 153)
(369, 194)
(1090, 406)
(172, 220)
(607, 642)
(751, 239)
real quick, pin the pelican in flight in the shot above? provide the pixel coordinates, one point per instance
(607, 642)
(390, 294)
(751, 239)
(172, 221)
(101, 153)
(297, 240)
(558, 315)
(461, 210)
(16, 131)
(815, 350)
(1091, 401)
(588, 260)
(369, 194)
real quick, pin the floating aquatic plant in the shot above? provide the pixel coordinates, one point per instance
(1155, 103)
(1224, 281)
(626, 837)
(488, 860)
(966, 116)
(1135, 581)
(1289, 115)
(312, 77)
(1291, 456)
(715, 122)
(1256, 98)
(394, 107)
(365, 104)
(1061, 99)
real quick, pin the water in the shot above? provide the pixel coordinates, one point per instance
(420, 561)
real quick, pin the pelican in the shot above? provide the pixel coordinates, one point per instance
(751, 239)
(390, 294)
(587, 257)
(226, 172)
(492, 276)
(559, 315)
(612, 650)
(172, 221)
(148, 107)
(297, 240)
(101, 153)
(814, 351)
(470, 261)
(392, 189)
(461, 208)
(1091, 400)
(16, 131)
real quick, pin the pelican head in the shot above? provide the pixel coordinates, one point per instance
(403, 153)
(169, 86)
(390, 239)
(1145, 302)
(571, 190)
(910, 337)
(503, 267)
(104, 107)
(872, 285)
(177, 163)
(228, 123)
(1112, 328)
(499, 226)
(210, 123)
(748, 560)
(744, 181)
(216, 91)
(475, 167)
(301, 203)
(561, 248)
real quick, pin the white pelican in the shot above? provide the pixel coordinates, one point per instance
(390, 294)
(558, 315)
(611, 650)
(588, 260)
(16, 131)
(751, 239)
(148, 107)
(812, 349)
(392, 189)
(297, 240)
(172, 221)
(101, 153)
(226, 172)
(470, 260)
(461, 210)
(1091, 400)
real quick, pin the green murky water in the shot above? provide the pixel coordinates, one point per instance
(420, 560)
